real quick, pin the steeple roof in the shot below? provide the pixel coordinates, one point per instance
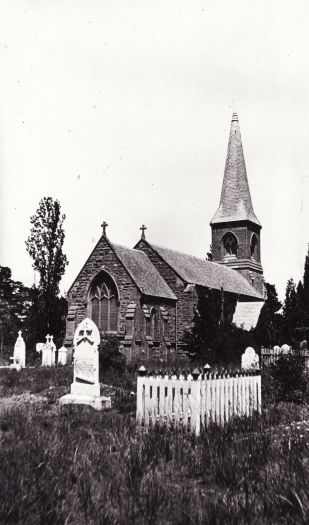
(235, 202)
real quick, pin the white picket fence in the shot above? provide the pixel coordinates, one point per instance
(196, 398)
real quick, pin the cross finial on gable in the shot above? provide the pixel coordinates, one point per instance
(143, 228)
(104, 226)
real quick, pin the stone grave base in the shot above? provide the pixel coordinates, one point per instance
(99, 403)
(86, 394)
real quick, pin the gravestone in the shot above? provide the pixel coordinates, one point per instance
(285, 349)
(303, 345)
(19, 356)
(52, 344)
(86, 388)
(47, 353)
(62, 356)
(38, 347)
(250, 359)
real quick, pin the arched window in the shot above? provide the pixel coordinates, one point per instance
(155, 325)
(253, 247)
(230, 245)
(103, 303)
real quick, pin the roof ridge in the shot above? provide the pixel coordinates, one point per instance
(188, 254)
(209, 264)
(134, 250)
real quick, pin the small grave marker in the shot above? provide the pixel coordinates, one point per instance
(250, 359)
(47, 353)
(19, 356)
(62, 356)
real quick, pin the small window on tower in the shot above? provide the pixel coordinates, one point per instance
(253, 247)
(230, 245)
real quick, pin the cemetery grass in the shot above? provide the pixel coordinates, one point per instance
(72, 465)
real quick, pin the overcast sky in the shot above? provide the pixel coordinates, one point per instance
(121, 110)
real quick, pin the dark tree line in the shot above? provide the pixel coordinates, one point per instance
(38, 310)
(214, 337)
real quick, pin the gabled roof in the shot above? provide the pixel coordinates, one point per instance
(140, 269)
(235, 201)
(143, 273)
(206, 273)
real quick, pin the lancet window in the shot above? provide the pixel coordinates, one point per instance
(103, 303)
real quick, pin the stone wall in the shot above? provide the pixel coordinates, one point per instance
(186, 295)
(131, 316)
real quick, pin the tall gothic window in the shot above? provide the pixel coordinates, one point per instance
(253, 247)
(103, 303)
(230, 245)
(155, 325)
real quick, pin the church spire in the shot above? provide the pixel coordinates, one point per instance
(235, 202)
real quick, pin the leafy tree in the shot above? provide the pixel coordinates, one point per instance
(15, 301)
(291, 312)
(305, 298)
(44, 245)
(268, 330)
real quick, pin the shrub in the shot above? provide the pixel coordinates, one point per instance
(289, 379)
(110, 356)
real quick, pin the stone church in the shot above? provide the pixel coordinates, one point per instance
(147, 295)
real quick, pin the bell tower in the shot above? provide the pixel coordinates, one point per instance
(236, 231)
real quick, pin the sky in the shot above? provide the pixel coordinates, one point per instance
(121, 110)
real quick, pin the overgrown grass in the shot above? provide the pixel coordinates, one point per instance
(72, 465)
(76, 466)
(34, 380)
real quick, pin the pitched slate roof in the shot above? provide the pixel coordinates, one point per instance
(235, 201)
(247, 314)
(143, 273)
(206, 273)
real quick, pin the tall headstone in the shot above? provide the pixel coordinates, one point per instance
(52, 344)
(250, 359)
(86, 388)
(19, 356)
(47, 353)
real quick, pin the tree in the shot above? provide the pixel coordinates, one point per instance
(44, 245)
(306, 291)
(291, 312)
(15, 301)
(268, 330)
(212, 325)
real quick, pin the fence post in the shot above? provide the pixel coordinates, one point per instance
(195, 402)
(140, 401)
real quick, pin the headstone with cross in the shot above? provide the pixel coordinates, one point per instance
(86, 388)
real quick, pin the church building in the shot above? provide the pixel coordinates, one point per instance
(147, 295)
